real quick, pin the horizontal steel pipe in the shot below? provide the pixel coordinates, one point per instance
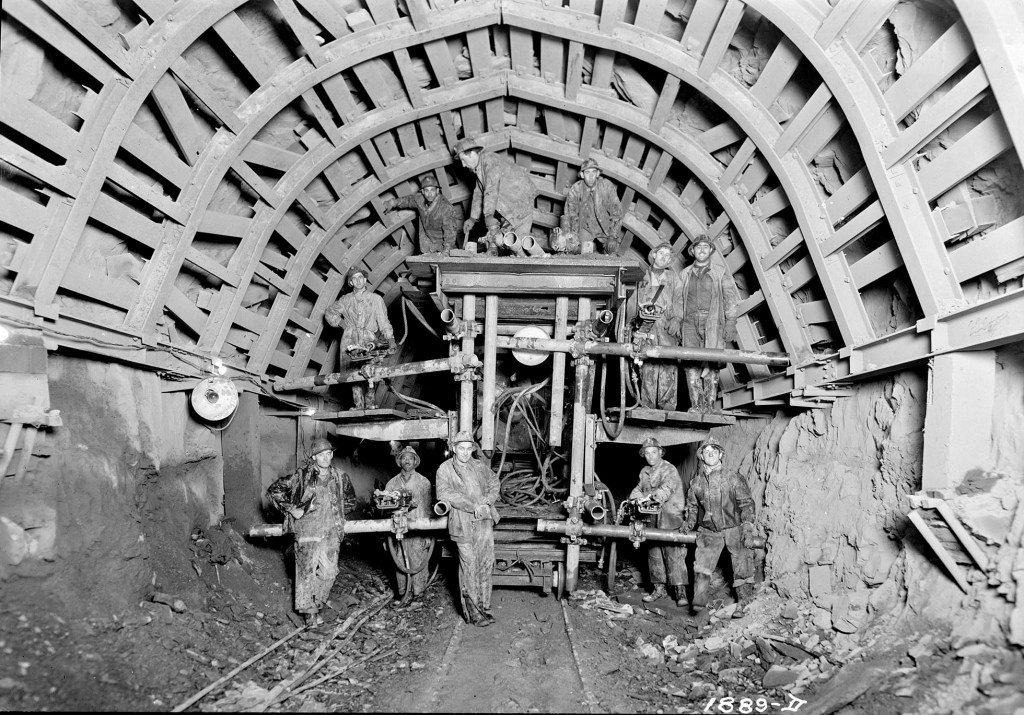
(657, 352)
(455, 363)
(358, 526)
(553, 526)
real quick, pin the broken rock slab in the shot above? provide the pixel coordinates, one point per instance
(777, 676)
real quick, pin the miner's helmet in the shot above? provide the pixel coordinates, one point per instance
(463, 436)
(710, 442)
(466, 144)
(700, 238)
(651, 442)
(351, 274)
(408, 449)
(663, 244)
(320, 444)
(589, 164)
(428, 182)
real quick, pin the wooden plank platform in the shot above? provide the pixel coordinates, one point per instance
(676, 418)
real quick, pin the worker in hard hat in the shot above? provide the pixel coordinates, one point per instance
(593, 211)
(470, 488)
(720, 506)
(414, 550)
(363, 317)
(314, 500)
(503, 195)
(439, 223)
(706, 314)
(661, 484)
(650, 311)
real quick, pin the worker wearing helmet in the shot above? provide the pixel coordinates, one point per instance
(470, 488)
(439, 223)
(314, 501)
(720, 506)
(414, 550)
(503, 195)
(660, 482)
(364, 319)
(593, 210)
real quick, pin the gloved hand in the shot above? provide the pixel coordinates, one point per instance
(297, 512)
(482, 511)
(468, 225)
(730, 331)
(674, 327)
(748, 536)
(392, 345)
(389, 205)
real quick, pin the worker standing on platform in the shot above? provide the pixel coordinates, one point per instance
(470, 488)
(503, 196)
(592, 209)
(438, 219)
(314, 501)
(655, 295)
(707, 318)
(416, 549)
(661, 484)
(720, 506)
(364, 319)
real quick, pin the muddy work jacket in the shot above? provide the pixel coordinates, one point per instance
(504, 188)
(439, 222)
(361, 316)
(464, 487)
(663, 483)
(324, 496)
(592, 212)
(718, 500)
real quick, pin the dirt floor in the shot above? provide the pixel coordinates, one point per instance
(235, 602)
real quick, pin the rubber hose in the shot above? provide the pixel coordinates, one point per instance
(393, 550)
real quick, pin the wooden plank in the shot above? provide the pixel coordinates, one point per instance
(870, 17)
(840, 14)
(604, 65)
(929, 536)
(439, 57)
(798, 125)
(821, 132)
(720, 39)
(612, 141)
(300, 28)
(588, 137)
(144, 148)
(340, 96)
(521, 43)
(122, 218)
(178, 118)
(953, 105)
(971, 152)
(720, 136)
(799, 274)
(857, 190)
(40, 126)
(852, 231)
(236, 35)
(738, 163)
(326, 13)
(185, 310)
(222, 224)
(408, 74)
(212, 99)
(666, 100)
(701, 24)
(552, 59)
(753, 177)
(573, 71)
(323, 118)
(938, 63)
(142, 189)
(258, 184)
(881, 262)
(200, 260)
(777, 72)
(771, 203)
(20, 212)
(816, 311)
(480, 56)
(272, 157)
(61, 39)
(612, 12)
(649, 14)
(986, 253)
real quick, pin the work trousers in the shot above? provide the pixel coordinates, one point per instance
(316, 567)
(417, 550)
(709, 548)
(476, 566)
(667, 564)
(659, 384)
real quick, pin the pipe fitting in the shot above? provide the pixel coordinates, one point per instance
(532, 247)
(442, 508)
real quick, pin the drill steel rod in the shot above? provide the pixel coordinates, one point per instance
(456, 363)
(657, 352)
(551, 526)
(359, 526)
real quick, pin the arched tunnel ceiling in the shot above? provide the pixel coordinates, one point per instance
(195, 177)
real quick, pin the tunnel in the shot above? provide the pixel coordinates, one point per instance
(188, 192)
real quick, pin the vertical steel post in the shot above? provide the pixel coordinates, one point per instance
(558, 373)
(487, 416)
(466, 390)
(580, 408)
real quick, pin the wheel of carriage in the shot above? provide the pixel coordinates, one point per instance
(558, 576)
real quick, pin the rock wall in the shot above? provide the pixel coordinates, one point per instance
(833, 490)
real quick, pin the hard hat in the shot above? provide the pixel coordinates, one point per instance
(214, 398)
(428, 181)
(352, 271)
(320, 444)
(589, 164)
(463, 436)
(408, 449)
(710, 442)
(700, 238)
(651, 442)
(466, 144)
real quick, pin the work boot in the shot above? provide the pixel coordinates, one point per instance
(679, 593)
(743, 593)
(711, 391)
(700, 592)
(658, 593)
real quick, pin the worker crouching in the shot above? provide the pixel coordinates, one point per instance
(470, 488)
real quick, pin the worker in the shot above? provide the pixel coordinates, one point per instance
(314, 500)
(438, 219)
(661, 484)
(415, 550)
(706, 310)
(658, 290)
(721, 508)
(592, 209)
(470, 488)
(503, 195)
(364, 320)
